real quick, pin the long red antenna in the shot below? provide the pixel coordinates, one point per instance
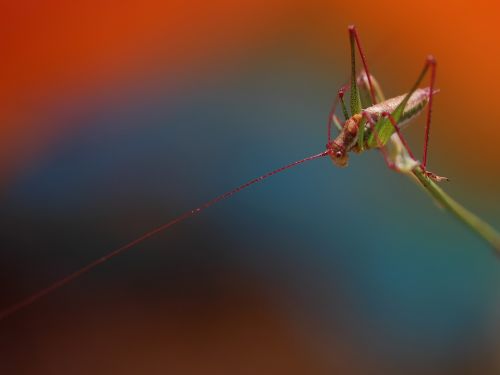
(66, 280)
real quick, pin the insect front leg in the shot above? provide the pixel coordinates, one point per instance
(332, 117)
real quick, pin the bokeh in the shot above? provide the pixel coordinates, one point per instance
(117, 116)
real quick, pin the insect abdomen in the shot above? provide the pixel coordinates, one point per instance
(415, 105)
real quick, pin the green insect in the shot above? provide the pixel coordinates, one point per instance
(375, 122)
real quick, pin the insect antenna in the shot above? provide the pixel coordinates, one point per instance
(73, 276)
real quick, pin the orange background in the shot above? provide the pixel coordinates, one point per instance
(53, 49)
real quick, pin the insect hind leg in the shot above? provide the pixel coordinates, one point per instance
(404, 143)
(432, 62)
(353, 34)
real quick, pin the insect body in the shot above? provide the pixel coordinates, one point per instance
(375, 125)
(348, 139)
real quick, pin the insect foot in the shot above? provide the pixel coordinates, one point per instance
(435, 177)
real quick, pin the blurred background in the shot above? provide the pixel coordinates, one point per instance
(117, 116)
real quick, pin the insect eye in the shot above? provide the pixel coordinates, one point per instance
(339, 154)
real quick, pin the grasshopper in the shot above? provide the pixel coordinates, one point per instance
(376, 123)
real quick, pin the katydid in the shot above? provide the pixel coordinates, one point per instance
(370, 122)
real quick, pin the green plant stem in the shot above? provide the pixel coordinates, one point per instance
(482, 228)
